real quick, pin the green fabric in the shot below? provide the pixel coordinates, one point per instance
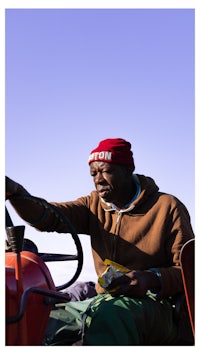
(128, 321)
(65, 323)
(106, 320)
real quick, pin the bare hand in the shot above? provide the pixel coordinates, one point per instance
(135, 284)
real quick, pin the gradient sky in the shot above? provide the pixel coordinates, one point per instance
(77, 76)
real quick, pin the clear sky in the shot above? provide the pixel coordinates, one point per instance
(77, 76)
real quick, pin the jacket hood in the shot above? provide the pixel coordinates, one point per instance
(148, 187)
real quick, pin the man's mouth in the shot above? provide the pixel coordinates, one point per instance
(103, 192)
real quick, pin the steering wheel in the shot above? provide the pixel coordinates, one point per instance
(49, 257)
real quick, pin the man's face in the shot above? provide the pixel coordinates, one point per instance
(109, 180)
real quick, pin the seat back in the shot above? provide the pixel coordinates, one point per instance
(187, 259)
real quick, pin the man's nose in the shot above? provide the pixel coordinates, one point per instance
(98, 178)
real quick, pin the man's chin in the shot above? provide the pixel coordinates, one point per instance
(105, 196)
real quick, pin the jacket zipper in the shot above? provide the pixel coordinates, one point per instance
(119, 214)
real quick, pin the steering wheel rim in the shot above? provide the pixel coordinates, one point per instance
(67, 257)
(59, 257)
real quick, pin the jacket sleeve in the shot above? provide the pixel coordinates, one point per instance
(180, 232)
(52, 216)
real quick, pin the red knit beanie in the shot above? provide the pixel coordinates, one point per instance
(113, 150)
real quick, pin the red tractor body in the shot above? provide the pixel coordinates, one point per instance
(22, 272)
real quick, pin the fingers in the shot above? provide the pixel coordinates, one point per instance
(10, 186)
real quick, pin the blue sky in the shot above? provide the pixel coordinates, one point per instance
(77, 76)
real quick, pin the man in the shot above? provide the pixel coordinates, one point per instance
(136, 235)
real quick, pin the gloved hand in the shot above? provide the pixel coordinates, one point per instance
(12, 187)
(22, 201)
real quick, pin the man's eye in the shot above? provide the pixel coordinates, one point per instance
(107, 172)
